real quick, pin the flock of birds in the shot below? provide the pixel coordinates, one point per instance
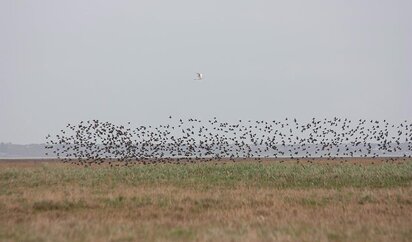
(192, 140)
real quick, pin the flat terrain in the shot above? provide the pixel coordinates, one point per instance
(246, 201)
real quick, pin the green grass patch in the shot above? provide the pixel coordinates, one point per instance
(205, 176)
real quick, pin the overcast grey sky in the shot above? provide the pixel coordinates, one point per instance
(66, 61)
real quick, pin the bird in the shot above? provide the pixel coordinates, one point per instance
(199, 76)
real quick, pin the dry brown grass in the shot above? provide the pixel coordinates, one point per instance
(164, 212)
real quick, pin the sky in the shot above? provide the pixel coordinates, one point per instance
(66, 61)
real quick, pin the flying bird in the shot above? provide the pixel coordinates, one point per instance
(199, 76)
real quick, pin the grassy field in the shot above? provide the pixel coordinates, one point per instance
(42, 201)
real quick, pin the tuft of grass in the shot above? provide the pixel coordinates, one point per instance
(180, 234)
(118, 201)
(403, 201)
(367, 198)
(142, 201)
(313, 202)
(47, 205)
(205, 204)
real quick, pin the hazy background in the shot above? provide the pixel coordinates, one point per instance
(66, 61)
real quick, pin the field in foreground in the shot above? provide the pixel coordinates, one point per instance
(206, 202)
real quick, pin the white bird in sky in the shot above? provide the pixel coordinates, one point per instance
(199, 76)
